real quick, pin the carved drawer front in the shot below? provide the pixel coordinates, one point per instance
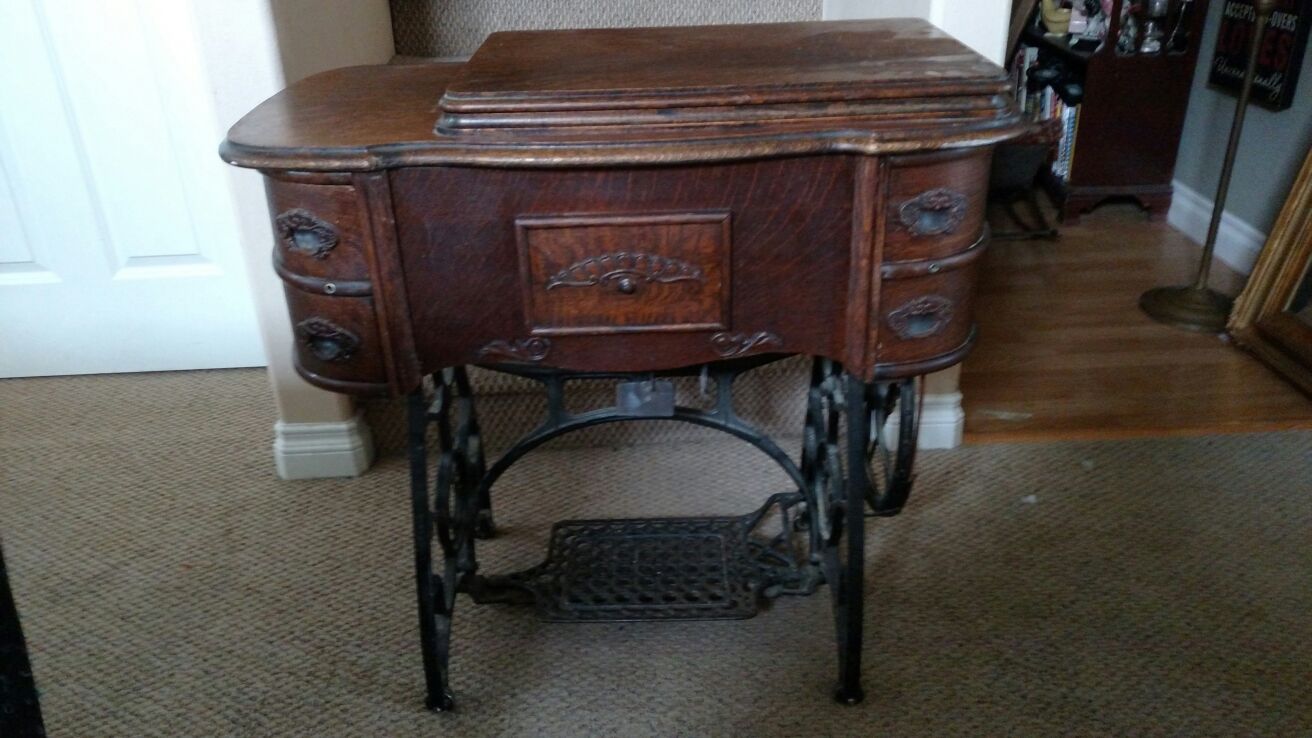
(935, 205)
(318, 235)
(624, 273)
(925, 315)
(337, 344)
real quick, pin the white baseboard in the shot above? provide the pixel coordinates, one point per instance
(1237, 242)
(318, 450)
(942, 422)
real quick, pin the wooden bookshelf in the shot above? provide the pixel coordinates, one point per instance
(1129, 120)
(1057, 45)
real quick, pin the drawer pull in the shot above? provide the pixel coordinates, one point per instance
(624, 270)
(306, 233)
(934, 212)
(327, 340)
(921, 318)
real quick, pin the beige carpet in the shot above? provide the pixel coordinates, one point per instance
(171, 586)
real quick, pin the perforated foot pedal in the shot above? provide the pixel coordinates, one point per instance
(643, 569)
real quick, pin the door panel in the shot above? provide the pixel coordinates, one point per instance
(118, 248)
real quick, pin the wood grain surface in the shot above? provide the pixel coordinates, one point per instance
(1065, 352)
(671, 66)
(623, 273)
(642, 96)
(634, 200)
(789, 257)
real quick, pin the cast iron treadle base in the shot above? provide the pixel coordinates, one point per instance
(644, 569)
(704, 568)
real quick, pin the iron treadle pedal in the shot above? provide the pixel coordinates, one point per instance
(699, 568)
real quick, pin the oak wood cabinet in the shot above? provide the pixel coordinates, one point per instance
(641, 200)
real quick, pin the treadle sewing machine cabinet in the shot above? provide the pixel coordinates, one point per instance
(638, 204)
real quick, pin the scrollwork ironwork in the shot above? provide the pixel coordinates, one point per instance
(448, 510)
(798, 540)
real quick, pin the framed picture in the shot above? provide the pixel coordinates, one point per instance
(1280, 55)
(1273, 316)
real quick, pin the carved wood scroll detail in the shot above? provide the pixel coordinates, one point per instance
(736, 344)
(304, 232)
(327, 340)
(522, 349)
(933, 212)
(624, 269)
(922, 317)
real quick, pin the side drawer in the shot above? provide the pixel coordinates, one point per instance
(318, 232)
(925, 315)
(337, 342)
(935, 204)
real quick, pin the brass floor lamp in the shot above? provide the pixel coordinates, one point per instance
(1197, 307)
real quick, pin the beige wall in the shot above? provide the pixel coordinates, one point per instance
(254, 48)
(980, 24)
(316, 35)
(451, 27)
(442, 28)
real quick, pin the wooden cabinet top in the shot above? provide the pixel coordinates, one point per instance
(635, 200)
(634, 96)
(707, 65)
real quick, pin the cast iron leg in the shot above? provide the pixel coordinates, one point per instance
(849, 589)
(890, 477)
(834, 458)
(484, 527)
(434, 617)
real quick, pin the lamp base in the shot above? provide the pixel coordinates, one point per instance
(1191, 308)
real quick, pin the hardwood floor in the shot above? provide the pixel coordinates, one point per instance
(1064, 351)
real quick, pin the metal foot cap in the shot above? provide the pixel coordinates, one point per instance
(441, 703)
(849, 695)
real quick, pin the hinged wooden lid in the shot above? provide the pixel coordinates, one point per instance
(684, 82)
(642, 96)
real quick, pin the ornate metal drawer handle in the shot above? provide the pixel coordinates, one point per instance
(624, 270)
(933, 212)
(306, 233)
(327, 340)
(922, 317)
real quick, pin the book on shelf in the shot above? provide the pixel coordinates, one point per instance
(1070, 123)
(1046, 104)
(1026, 58)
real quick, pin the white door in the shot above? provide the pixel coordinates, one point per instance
(119, 249)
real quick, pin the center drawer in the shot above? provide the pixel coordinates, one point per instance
(615, 273)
